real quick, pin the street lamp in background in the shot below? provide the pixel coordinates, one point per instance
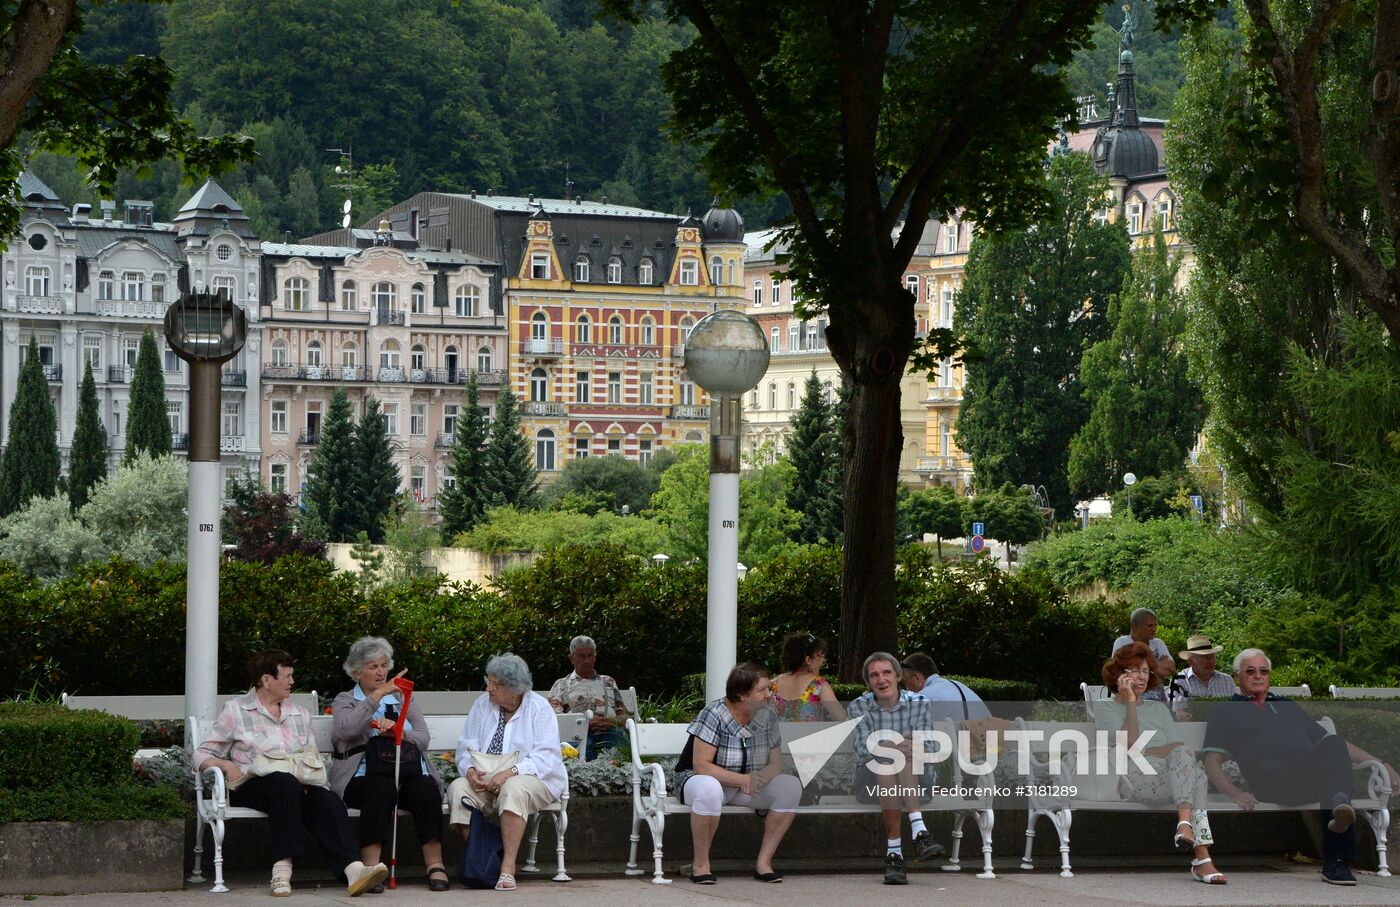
(206, 330)
(726, 354)
(1129, 480)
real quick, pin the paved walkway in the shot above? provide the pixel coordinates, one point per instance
(1273, 885)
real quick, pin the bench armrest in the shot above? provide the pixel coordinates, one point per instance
(1378, 783)
(650, 803)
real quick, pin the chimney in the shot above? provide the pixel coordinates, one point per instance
(604, 201)
(578, 199)
(532, 198)
(81, 212)
(473, 193)
(139, 213)
(108, 207)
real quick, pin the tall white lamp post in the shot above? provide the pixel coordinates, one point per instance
(206, 330)
(726, 354)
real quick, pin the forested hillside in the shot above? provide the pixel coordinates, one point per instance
(516, 96)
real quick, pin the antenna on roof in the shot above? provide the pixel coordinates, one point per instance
(346, 170)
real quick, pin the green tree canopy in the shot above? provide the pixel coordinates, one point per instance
(1031, 303)
(611, 482)
(510, 468)
(1145, 413)
(329, 496)
(464, 504)
(374, 477)
(147, 419)
(937, 511)
(30, 465)
(87, 458)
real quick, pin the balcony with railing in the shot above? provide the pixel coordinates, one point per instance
(446, 439)
(542, 346)
(231, 377)
(40, 305)
(941, 464)
(542, 408)
(309, 437)
(392, 317)
(180, 441)
(392, 375)
(944, 394)
(230, 443)
(491, 378)
(118, 374)
(130, 308)
(53, 372)
(678, 353)
(689, 411)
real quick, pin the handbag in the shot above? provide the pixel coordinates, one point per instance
(379, 757)
(480, 864)
(305, 765)
(492, 763)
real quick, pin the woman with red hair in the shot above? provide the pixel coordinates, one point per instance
(1177, 778)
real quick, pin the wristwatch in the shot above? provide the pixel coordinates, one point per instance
(515, 769)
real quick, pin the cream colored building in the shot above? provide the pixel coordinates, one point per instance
(798, 347)
(380, 318)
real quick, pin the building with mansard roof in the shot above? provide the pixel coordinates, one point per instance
(376, 315)
(86, 286)
(599, 299)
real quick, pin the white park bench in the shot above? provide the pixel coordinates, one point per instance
(1363, 692)
(653, 805)
(1096, 692)
(1050, 791)
(166, 707)
(211, 791)
(459, 702)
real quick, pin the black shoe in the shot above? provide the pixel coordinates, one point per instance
(1335, 872)
(926, 848)
(894, 870)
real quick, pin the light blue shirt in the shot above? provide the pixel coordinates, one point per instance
(942, 690)
(386, 700)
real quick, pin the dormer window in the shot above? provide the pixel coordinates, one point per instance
(644, 276)
(1164, 213)
(539, 266)
(690, 272)
(614, 270)
(581, 269)
(950, 239)
(1135, 218)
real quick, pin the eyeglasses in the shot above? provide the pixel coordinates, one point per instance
(1262, 672)
(1141, 672)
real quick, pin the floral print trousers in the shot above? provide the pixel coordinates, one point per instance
(1179, 779)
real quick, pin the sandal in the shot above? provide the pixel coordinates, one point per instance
(441, 884)
(506, 882)
(1210, 878)
(1184, 840)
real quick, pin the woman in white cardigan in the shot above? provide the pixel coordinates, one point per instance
(509, 759)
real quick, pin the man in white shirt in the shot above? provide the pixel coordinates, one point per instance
(1142, 627)
(921, 676)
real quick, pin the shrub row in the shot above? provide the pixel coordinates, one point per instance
(90, 803)
(46, 745)
(118, 628)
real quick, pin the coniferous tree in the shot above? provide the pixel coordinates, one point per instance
(511, 474)
(87, 460)
(464, 504)
(1144, 412)
(1032, 302)
(808, 449)
(147, 420)
(30, 465)
(829, 502)
(375, 476)
(330, 492)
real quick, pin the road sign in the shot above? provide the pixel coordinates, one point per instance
(979, 544)
(979, 529)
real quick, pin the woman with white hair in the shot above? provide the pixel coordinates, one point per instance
(509, 759)
(363, 772)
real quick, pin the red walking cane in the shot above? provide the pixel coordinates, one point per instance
(406, 694)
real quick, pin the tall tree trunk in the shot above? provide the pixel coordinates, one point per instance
(874, 439)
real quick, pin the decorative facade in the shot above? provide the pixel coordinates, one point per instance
(88, 287)
(377, 317)
(599, 299)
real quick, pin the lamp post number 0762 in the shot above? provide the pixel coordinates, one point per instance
(206, 527)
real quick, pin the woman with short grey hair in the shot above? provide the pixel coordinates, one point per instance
(363, 774)
(509, 759)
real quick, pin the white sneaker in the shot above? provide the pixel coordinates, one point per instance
(361, 878)
(281, 886)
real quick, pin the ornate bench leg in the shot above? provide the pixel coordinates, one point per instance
(986, 818)
(197, 876)
(1062, 818)
(561, 825)
(636, 839)
(219, 886)
(1379, 820)
(1030, 839)
(533, 830)
(953, 864)
(657, 824)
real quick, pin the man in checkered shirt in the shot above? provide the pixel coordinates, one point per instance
(885, 707)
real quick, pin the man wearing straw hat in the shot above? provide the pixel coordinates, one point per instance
(1201, 678)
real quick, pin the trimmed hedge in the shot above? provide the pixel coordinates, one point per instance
(118, 628)
(70, 803)
(45, 745)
